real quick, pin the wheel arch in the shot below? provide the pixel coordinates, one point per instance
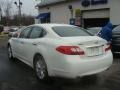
(42, 51)
(39, 55)
(35, 56)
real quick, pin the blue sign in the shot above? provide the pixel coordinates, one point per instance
(87, 3)
(96, 2)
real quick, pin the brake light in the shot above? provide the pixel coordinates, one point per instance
(108, 47)
(70, 50)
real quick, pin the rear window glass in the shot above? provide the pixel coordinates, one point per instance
(69, 31)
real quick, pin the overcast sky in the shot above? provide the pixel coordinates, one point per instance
(28, 6)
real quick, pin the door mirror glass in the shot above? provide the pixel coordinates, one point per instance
(15, 35)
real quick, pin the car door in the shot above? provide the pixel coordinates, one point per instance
(22, 41)
(15, 40)
(37, 33)
(14, 43)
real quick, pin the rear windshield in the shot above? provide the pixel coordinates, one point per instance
(69, 31)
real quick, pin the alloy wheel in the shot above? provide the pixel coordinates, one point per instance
(9, 52)
(40, 69)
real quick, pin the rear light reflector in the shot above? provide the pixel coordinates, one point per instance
(70, 50)
(108, 47)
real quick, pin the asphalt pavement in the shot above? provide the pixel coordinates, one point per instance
(18, 76)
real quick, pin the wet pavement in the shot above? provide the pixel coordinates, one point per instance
(18, 76)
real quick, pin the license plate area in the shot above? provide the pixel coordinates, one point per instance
(94, 51)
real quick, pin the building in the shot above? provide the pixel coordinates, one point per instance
(86, 13)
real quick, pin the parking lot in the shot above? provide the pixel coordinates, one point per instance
(17, 76)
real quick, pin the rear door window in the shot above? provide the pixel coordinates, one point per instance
(37, 32)
(25, 33)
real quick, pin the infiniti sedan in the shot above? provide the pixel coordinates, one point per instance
(60, 50)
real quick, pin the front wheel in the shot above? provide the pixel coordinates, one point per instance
(41, 68)
(10, 55)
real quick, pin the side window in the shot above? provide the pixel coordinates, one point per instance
(25, 33)
(37, 32)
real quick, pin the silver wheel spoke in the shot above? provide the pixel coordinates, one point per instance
(9, 52)
(40, 69)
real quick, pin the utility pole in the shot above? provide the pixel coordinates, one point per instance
(19, 5)
(0, 13)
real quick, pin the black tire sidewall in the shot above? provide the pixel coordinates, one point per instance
(46, 77)
(10, 58)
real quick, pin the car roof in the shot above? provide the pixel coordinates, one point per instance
(51, 25)
(48, 27)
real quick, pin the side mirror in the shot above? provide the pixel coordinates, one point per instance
(10, 35)
(15, 35)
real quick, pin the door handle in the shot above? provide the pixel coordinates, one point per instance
(34, 43)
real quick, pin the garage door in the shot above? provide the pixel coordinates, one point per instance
(95, 22)
(96, 14)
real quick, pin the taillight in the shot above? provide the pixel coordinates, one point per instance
(70, 50)
(108, 47)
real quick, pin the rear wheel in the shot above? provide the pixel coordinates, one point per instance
(41, 68)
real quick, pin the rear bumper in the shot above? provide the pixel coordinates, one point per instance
(76, 67)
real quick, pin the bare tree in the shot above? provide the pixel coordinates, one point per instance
(1, 12)
(6, 6)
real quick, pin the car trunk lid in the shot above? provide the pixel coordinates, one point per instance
(91, 45)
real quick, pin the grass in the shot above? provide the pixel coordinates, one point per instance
(3, 36)
(3, 40)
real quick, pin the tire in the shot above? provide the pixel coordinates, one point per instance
(40, 68)
(10, 55)
(92, 78)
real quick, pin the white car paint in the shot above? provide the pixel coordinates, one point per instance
(58, 64)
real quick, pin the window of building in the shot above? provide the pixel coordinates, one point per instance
(44, 17)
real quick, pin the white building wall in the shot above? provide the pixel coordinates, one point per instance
(61, 14)
(115, 12)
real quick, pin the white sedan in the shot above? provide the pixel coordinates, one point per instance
(60, 50)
